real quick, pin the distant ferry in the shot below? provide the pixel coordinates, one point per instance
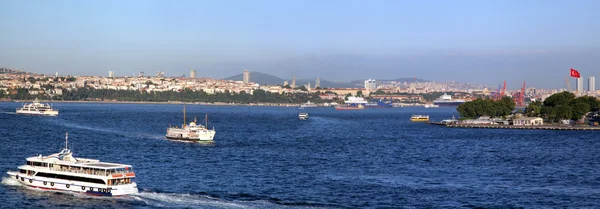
(419, 118)
(446, 100)
(191, 132)
(308, 105)
(37, 108)
(431, 106)
(63, 172)
(303, 116)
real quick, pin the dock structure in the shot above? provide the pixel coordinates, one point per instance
(538, 127)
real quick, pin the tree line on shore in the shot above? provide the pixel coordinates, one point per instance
(187, 95)
(560, 106)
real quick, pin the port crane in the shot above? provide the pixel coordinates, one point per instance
(500, 93)
(519, 97)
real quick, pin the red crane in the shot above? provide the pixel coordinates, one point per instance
(501, 93)
(521, 99)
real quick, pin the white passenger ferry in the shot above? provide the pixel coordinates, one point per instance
(191, 132)
(63, 172)
(37, 108)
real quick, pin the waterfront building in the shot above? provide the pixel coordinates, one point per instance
(285, 83)
(591, 84)
(192, 73)
(370, 85)
(246, 76)
(293, 82)
(111, 74)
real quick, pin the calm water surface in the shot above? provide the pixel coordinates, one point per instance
(264, 157)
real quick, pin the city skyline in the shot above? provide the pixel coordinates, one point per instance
(467, 41)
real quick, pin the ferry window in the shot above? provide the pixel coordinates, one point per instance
(37, 164)
(72, 178)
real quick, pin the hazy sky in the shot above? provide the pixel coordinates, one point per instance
(473, 41)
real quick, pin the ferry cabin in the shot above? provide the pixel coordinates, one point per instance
(85, 175)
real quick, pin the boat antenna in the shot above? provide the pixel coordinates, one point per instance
(206, 121)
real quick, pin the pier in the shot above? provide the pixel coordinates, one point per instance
(538, 127)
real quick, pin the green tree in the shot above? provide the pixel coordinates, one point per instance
(379, 92)
(359, 93)
(533, 109)
(347, 95)
(303, 88)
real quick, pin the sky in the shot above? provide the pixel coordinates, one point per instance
(484, 42)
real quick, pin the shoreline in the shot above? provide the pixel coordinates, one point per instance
(536, 127)
(174, 102)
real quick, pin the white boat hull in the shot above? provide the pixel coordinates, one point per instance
(44, 183)
(33, 112)
(201, 135)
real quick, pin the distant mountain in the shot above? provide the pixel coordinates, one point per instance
(258, 77)
(266, 79)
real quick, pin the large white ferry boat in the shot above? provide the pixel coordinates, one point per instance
(37, 108)
(191, 132)
(63, 172)
(308, 105)
(446, 100)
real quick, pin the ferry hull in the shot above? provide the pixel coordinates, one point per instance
(47, 113)
(348, 108)
(203, 136)
(60, 185)
(448, 104)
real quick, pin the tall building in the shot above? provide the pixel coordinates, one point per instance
(285, 83)
(293, 82)
(246, 76)
(308, 86)
(371, 85)
(111, 74)
(141, 74)
(318, 82)
(56, 74)
(579, 84)
(193, 74)
(592, 84)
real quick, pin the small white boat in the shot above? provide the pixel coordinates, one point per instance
(303, 116)
(37, 108)
(431, 106)
(65, 173)
(308, 105)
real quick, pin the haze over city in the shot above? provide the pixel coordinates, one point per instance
(470, 41)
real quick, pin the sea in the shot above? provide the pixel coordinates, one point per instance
(264, 157)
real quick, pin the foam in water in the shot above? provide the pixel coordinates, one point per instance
(184, 200)
(10, 181)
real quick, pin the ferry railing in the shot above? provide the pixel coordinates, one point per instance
(87, 171)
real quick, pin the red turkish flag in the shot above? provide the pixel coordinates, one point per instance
(574, 73)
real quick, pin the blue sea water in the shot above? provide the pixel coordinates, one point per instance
(264, 157)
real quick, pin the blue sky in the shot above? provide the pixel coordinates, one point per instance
(473, 41)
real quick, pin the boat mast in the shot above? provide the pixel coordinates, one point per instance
(206, 121)
(67, 140)
(183, 116)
